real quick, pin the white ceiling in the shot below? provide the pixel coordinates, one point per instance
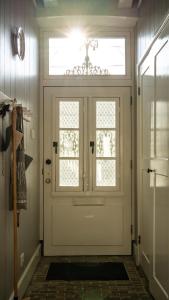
(55, 3)
(125, 3)
(53, 13)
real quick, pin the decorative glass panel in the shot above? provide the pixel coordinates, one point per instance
(105, 114)
(63, 55)
(69, 114)
(69, 173)
(69, 143)
(105, 173)
(110, 55)
(102, 54)
(105, 143)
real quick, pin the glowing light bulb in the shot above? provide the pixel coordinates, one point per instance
(77, 35)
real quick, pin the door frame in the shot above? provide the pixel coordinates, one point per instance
(93, 82)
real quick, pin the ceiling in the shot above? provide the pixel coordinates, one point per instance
(56, 3)
(52, 13)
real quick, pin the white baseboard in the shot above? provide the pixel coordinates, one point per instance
(28, 272)
(136, 254)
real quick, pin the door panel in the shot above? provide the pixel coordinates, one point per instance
(83, 219)
(90, 220)
(160, 278)
(159, 283)
(155, 183)
(147, 204)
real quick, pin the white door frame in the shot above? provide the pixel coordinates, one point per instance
(133, 109)
(113, 82)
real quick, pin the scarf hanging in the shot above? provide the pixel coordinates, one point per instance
(20, 163)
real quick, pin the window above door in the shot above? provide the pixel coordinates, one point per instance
(102, 56)
(88, 56)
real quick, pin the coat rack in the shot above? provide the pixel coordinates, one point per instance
(27, 113)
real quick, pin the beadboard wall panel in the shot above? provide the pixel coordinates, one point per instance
(20, 80)
(151, 16)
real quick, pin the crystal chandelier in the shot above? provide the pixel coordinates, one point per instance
(87, 67)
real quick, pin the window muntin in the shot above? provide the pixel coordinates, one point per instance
(65, 54)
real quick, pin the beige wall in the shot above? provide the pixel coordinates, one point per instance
(151, 16)
(19, 79)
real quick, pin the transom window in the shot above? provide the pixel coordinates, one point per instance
(90, 56)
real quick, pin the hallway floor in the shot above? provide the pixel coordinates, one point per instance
(133, 289)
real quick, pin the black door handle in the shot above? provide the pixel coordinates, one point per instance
(92, 146)
(55, 145)
(150, 170)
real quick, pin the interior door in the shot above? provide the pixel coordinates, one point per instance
(159, 283)
(155, 168)
(87, 181)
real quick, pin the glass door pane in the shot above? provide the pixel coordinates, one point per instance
(106, 136)
(69, 156)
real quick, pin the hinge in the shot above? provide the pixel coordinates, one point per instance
(42, 171)
(139, 91)
(131, 229)
(139, 239)
(131, 100)
(131, 164)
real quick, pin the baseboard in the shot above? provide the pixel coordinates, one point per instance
(28, 272)
(136, 254)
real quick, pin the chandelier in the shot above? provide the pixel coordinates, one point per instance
(87, 67)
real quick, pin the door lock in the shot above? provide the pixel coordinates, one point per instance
(48, 161)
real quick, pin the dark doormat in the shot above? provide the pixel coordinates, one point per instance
(87, 271)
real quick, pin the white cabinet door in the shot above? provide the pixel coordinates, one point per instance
(87, 171)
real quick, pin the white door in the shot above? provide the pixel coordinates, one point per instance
(87, 171)
(159, 283)
(155, 168)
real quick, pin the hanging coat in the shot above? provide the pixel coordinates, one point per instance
(20, 163)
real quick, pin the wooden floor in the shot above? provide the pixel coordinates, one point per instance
(133, 289)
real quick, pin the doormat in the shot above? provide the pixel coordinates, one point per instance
(87, 271)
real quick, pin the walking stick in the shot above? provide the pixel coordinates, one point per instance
(14, 195)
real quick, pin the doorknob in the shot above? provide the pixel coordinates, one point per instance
(48, 161)
(47, 180)
(150, 170)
